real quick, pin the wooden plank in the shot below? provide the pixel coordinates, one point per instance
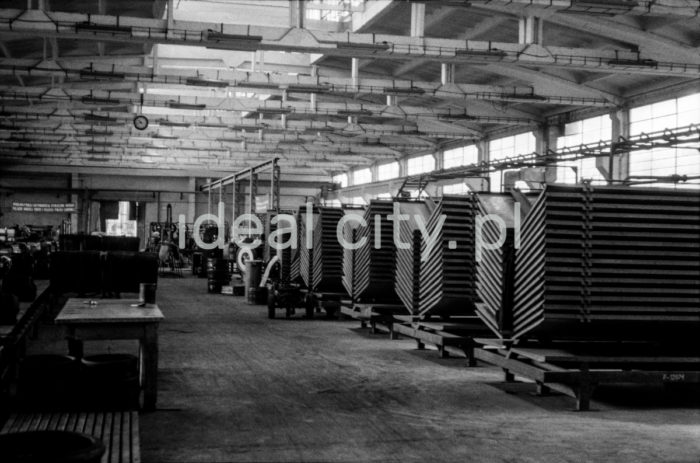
(80, 422)
(135, 438)
(558, 355)
(62, 421)
(125, 439)
(107, 437)
(114, 448)
(44, 419)
(12, 424)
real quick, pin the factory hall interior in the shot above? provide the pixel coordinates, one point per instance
(349, 231)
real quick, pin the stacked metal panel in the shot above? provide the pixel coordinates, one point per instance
(448, 271)
(327, 257)
(609, 262)
(407, 271)
(306, 253)
(295, 253)
(493, 275)
(374, 267)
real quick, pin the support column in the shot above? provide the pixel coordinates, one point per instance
(355, 72)
(530, 30)
(616, 167)
(191, 200)
(417, 19)
(447, 73)
(79, 208)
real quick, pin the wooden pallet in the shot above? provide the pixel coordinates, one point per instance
(575, 369)
(378, 316)
(457, 335)
(118, 431)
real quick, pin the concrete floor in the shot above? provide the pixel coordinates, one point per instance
(235, 386)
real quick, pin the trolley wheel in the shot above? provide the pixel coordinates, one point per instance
(271, 302)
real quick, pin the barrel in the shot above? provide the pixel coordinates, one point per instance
(197, 261)
(253, 273)
(217, 274)
(109, 381)
(51, 447)
(48, 382)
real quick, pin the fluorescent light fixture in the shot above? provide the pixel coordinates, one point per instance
(528, 96)
(168, 123)
(374, 47)
(456, 117)
(492, 53)
(165, 137)
(89, 74)
(99, 133)
(103, 28)
(260, 85)
(213, 126)
(98, 101)
(354, 112)
(101, 143)
(649, 63)
(308, 88)
(98, 118)
(274, 110)
(195, 107)
(230, 140)
(403, 91)
(97, 159)
(219, 40)
(319, 129)
(197, 82)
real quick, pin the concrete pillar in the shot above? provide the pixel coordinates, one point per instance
(617, 166)
(417, 19)
(447, 73)
(191, 200)
(79, 208)
(355, 72)
(530, 30)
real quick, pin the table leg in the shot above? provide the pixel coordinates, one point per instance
(75, 345)
(149, 354)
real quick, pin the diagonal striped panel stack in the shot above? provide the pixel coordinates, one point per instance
(305, 253)
(407, 273)
(327, 255)
(448, 273)
(493, 272)
(375, 268)
(350, 231)
(609, 263)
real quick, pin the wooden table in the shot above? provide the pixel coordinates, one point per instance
(117, 319)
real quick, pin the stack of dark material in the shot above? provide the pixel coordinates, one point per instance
(294, 261)
(90, 272)
(407, 276)
(375, 268)
(327, 266)
(448, 273)
(351, 231)
(218, 274)
(495, 267)
(609, 263)
(305, 253)
(98, 243)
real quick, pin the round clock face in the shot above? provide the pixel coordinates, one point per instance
(140, 122)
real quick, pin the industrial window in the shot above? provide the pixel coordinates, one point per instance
(341, 179)
(121, 226)
(361, 176)
(387, 171)
(420, 164)
(462, 156)
(502, 148)
(356, 201)
(460, 188)
(580, 133)
(670, 114)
